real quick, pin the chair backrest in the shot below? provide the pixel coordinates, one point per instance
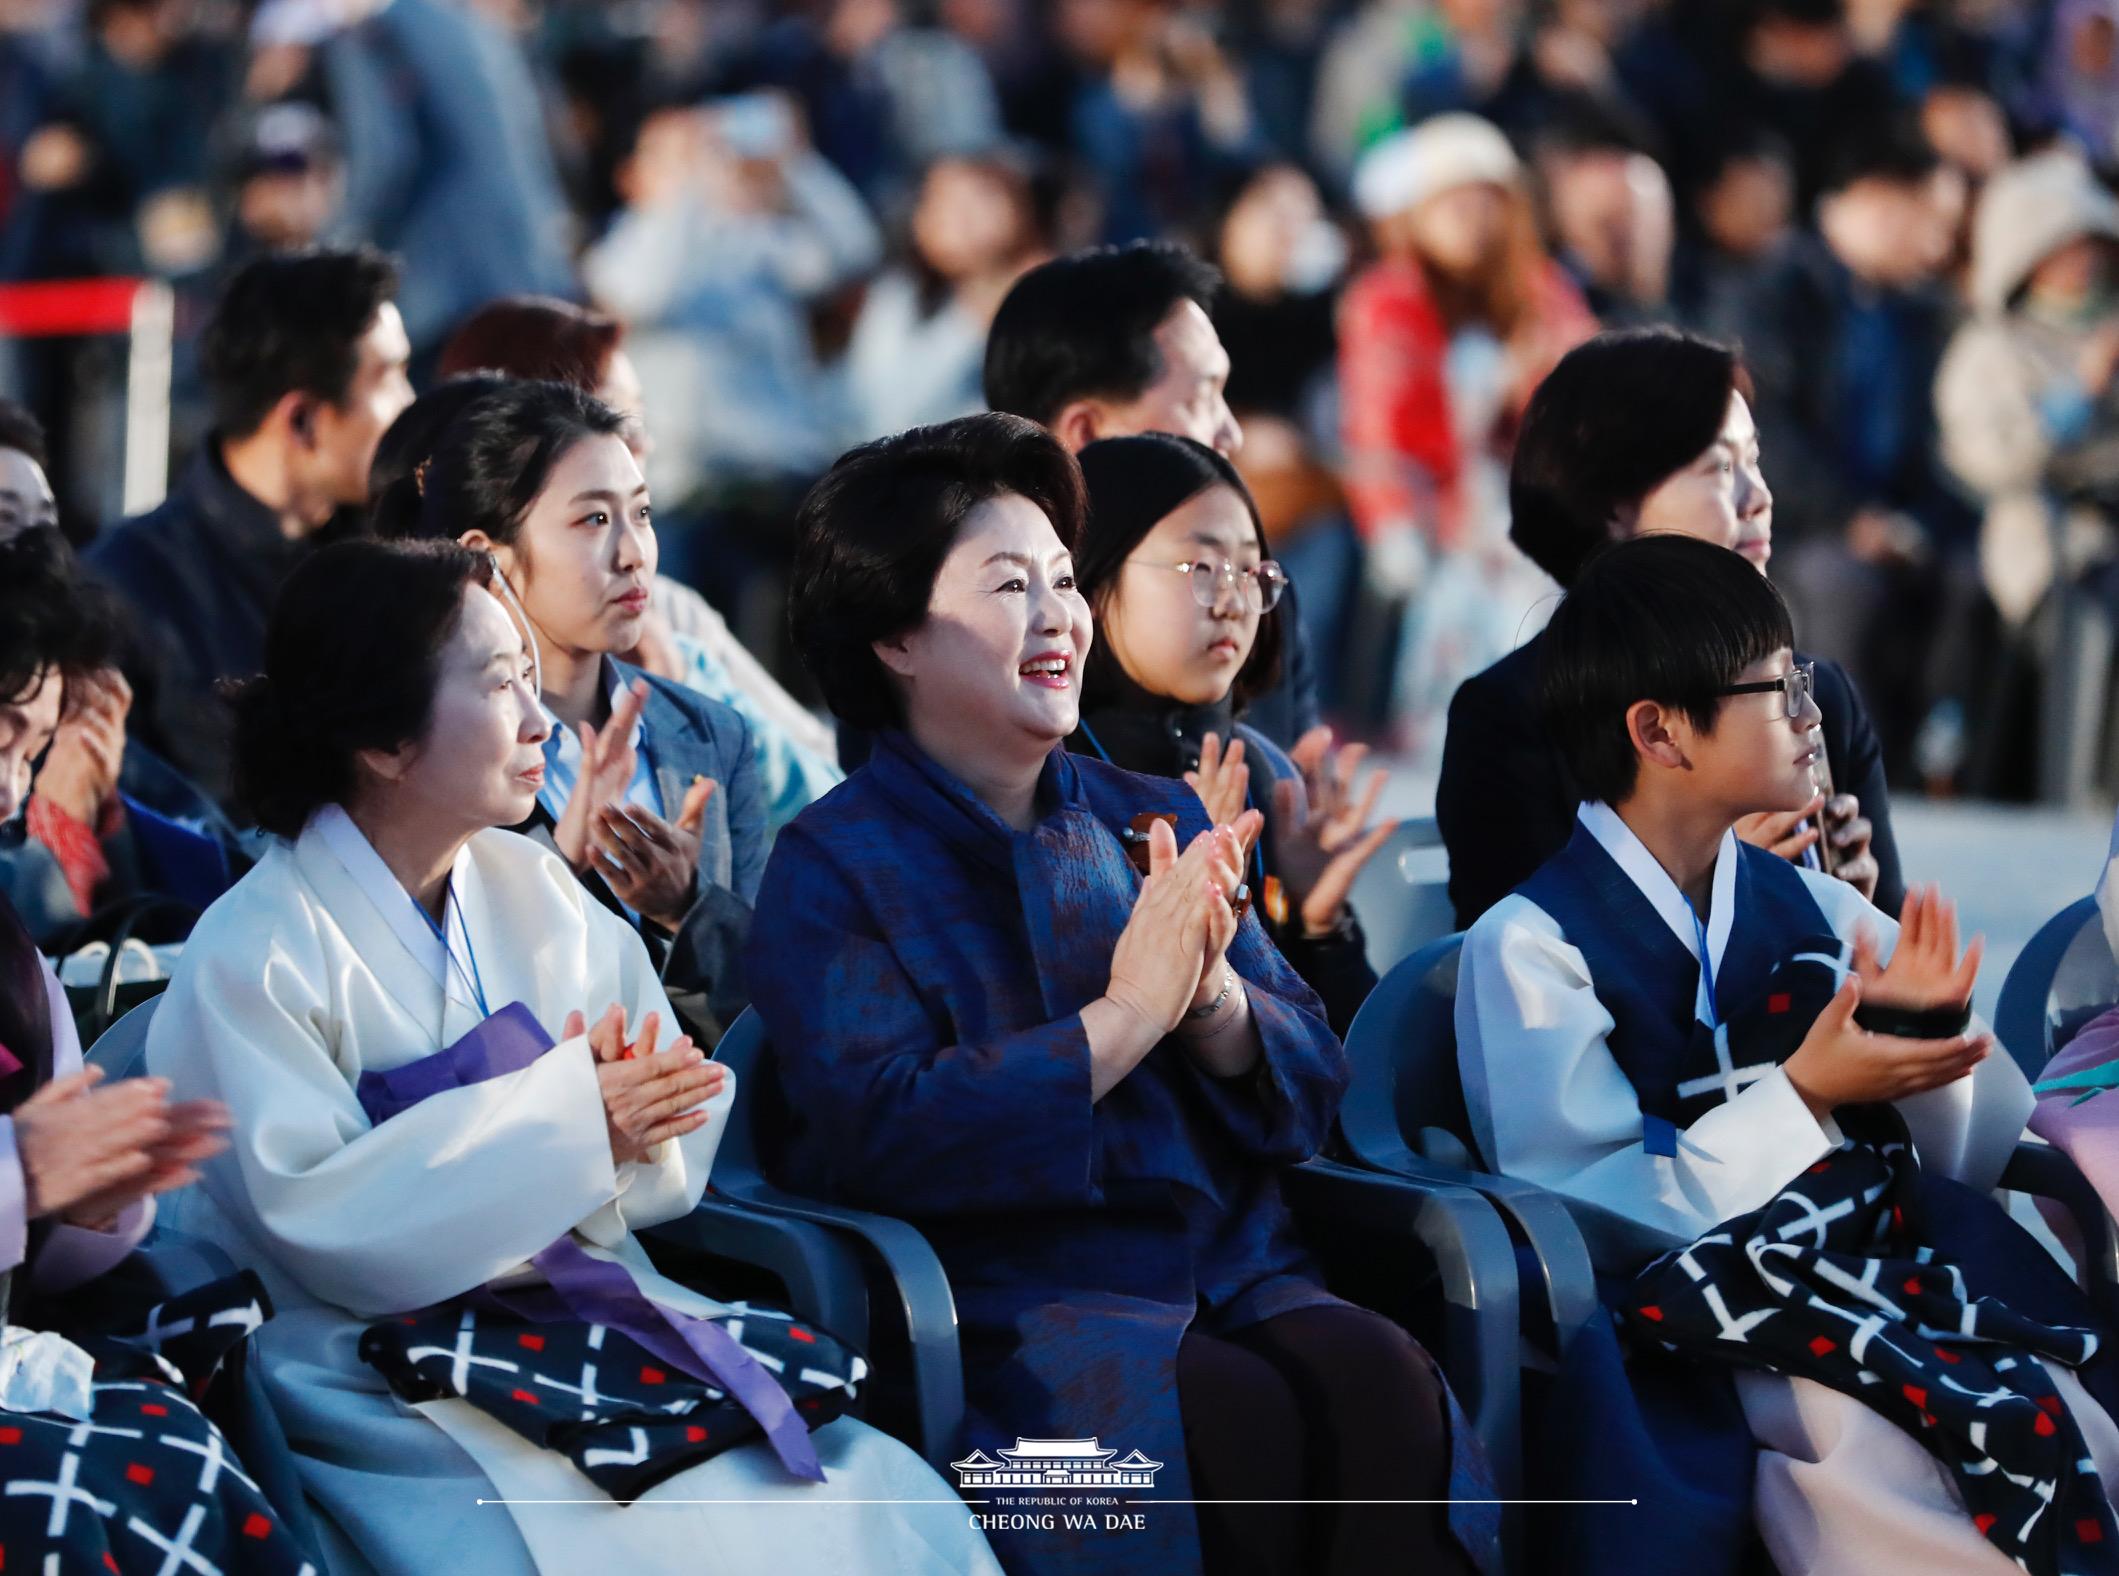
(1402, 895)
(1402, 1050)
(121, 1049)
(743, 1050)
(2064, 977)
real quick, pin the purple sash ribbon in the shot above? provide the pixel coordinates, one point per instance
(580, 1285)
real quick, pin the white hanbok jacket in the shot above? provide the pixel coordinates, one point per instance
(313, 969)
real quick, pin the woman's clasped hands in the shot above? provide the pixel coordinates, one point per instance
(649, 1095)
(1170, 957)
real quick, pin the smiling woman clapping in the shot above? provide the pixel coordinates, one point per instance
(1018, 996)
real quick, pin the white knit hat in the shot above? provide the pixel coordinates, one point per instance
(1408, 167)
(2028, 212)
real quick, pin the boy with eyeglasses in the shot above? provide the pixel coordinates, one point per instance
(1747, 1068)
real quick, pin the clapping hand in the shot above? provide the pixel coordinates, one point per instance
(1322, 836)
(649, 1095)
(1925, 970)
(88, 1152)
(1170, 953)
(607, 765)
(1222, 780)
(650, 864)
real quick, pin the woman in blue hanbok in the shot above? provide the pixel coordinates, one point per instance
(1081, 1085)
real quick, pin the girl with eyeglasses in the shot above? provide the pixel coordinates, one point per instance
(1174, 565)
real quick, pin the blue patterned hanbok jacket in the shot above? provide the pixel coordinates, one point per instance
(921, 968)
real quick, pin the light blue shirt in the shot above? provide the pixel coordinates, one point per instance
(562, 765)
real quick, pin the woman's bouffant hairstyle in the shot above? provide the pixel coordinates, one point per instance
(1662, 617)
(490, 463)
(872, 534)
(52, 616)
(535, 337)
(1134, 484)
(352, 659)
(1618, 416)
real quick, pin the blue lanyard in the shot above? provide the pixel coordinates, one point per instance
(1258, 858)
(1699, 929)
(441, 934)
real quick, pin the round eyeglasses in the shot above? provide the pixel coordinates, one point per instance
(1798, 688)
(1257, 588)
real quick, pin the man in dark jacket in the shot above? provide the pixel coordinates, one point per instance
(305, 361)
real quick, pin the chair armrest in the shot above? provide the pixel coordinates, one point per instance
(822, 1273)
(2045, 1172)
(1477, 1264)
(924, 1298)
(1567, 1281)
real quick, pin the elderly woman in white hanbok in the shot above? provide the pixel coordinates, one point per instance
(394, 731)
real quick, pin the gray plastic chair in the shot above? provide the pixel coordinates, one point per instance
(1402, 895)
(2064, 976)
(1340, 1209)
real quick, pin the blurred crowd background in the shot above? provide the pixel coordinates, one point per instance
(805, 213)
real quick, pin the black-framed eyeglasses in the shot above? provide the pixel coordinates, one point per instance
(1798, 685)
(1259, 587)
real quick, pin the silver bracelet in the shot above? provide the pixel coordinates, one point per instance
(1228, 983)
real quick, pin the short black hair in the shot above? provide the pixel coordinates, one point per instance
(1877, 145)
(1665, 618)
(872, 534)
(1133, 484)
(1578, 124)
(352, 658)
(487, 466)
(52, 616)
(1616, 416)
(289, 323)
(1083, 326)
(22, 432)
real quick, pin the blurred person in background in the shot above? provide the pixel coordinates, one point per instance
(733, 228)
(1500, 61)
(2081, 78)
(1797, 69)
(1283, 261)
(1441, 342)
(884, 95)
(121, 167)
(2027, 395)
(444, 137)
(287, 180)
(920, 339)
(735, 231)
(683, 638)
(1742, 218)
(1612, 215)
(1160, 110)
(305, 361)
(1844, 337)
